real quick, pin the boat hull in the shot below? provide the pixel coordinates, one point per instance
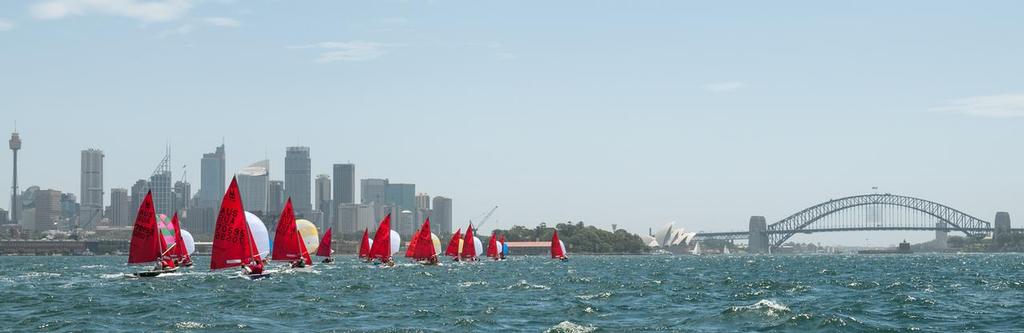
(155, 273)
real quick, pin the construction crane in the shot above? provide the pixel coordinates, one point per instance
(486, 217)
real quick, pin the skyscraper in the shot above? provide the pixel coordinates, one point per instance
(442, 215)
(212, 177)
(297, 179)
(402, 196)
(213, 174)
(47, 210)
(344, 183)
(275, 196)
(160, 184)
(181, 195)
(423, 201)
(92, 188)
(253, 182)
(15, 145)
(373, 191)
(138, 193)
(120, 207)
(322, 191)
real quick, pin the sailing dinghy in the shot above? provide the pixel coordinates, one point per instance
(504, 248)
(364, 246)
(493, 247)
(423, 249)
(288, 244)
(180, 253)
(233, 243)
(386, 243)
(324, 250)
(558, 248)
(147, 245)
(468, 252)
(454, 248)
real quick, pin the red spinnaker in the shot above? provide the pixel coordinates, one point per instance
(232, 240)
(492, 247)
(556, 247)
(468, 246)
(324, 250)
(146, 238)
(364, 246)
(288, 244)
(424, 248)
(453, 245)
(381, 248)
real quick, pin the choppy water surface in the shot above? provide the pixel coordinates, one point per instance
(936, 293)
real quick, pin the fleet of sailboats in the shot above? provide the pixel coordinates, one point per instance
(241, 240)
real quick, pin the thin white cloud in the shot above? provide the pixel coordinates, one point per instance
(993, 106)
(147, 11)
(6, 25)
(346, 51)
(226, 22)
(724, 87)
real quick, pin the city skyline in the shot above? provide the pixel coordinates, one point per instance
(635, 114)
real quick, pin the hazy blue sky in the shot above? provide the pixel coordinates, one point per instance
(628, 112)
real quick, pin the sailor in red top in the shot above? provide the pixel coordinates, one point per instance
(254, 268)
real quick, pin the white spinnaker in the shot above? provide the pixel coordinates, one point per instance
(190, 243)
(562, 244)
(396, 242)
(478, 246)
(259, 233)
(437, 243)
(498, 246)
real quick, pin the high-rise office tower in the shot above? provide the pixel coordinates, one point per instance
(322, 191)
(212, 177)
(297, 179)
(160, 182)
(138, 193)
(423, 201)
(92, 188)
(120, 207)
(253, 182)
(402, 196)
(373, 191)
(275, 196)
(344, 183)
(15, 145)
(47, 210)
(441, 215)
(181, 195)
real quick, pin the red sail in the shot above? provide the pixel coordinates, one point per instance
(381, 248)
(232, 240)
(303, 252)
(364, 246)
(412, 244)
(145, 244)
(556, 247)
(288, 244)
(179, 251)
(468, 245)
(424, 248)
(492, 247)
(324, 250)
(453, 245)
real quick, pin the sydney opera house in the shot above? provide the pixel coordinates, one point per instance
(670, 238)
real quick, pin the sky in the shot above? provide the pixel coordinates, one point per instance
(633, 113)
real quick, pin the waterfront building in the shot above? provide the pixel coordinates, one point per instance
(46, 204)
(423, 201)
(297, 179)
(372, 191)
(138, 193)
(91, 188)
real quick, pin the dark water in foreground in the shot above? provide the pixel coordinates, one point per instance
(931, 293)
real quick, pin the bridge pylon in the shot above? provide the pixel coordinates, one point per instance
(758, 241)
(1002, 224)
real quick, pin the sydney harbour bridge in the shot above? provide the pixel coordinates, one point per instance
(869, 212)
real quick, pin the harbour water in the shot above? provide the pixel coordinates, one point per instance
(854, 293)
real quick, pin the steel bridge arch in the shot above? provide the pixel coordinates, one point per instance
(781, 231)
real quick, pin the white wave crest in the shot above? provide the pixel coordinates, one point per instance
(570, 327)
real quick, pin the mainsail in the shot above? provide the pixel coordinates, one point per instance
(453, 245)
(324, 250)
(233, 244)
(145, 246)
(288, 245)
(424, 244)
(381, 248)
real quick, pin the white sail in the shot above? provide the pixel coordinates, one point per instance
(259, 233)
(725, 250)
(696, 249)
